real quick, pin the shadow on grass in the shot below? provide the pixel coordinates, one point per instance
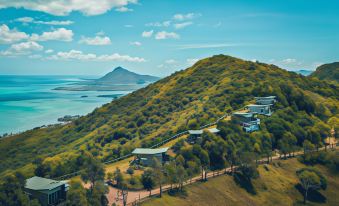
(313, 195)
(177, 193)
(245, 183)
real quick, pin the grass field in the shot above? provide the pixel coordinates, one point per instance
(275, 186)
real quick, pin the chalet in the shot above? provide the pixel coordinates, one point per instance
(260, 109)
(146, 156)
(213, 130)
(194, 135)
(47, 191)
(247, 120)
(265, 100)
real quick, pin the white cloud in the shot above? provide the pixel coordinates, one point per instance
(289, 61)
(22, 48)
(128, 25)
(60, 34)
(166, 35)
(170, 61)
(183, 17)
(135, 43)
(97, 40)
(191, 61)
(64, 7)
(159, 24)
(8, 36)
(79, 55)
(48, 51)
(147, 34)
(182, 25)
(32, 20)
(25, 19)
(123, 9)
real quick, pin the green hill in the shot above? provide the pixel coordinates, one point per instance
(327, 72)
(275, 186)
(188, 98)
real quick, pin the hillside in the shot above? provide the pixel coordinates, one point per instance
(275, 186)
(186, 99)
(327, 72)
(122, 76)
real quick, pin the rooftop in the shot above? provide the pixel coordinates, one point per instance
(259, 105)
(195, 131)
(213, 130)
(268, 97)
(245, 114)
(149, 151)
(40, 183)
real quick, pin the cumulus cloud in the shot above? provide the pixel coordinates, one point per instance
(182, 25)
(22, 48)
(159, 24)
(79, 55)
(60, 34)
(166, 35)
(123, 9)
(48, 51)
(64, 7)
(147, 34)
(9, 36)
(97, 40)
(32, 20)
(183, 17)
(135, 43)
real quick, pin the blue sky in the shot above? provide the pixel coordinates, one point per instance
(162, 36)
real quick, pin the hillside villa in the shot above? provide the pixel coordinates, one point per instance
(146, 156)
(260, 109)
(47, 191)
(265, 100)
(247, 120)
(194, 135)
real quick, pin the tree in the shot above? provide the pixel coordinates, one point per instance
(204, 160)
(193, 168)
(76, 196)
(181, 176)
(98, 196)
(12, 193)
(93, 172)
(311, 179)
(118, 178)
(147, 181)
(158, 172)
(169, 171)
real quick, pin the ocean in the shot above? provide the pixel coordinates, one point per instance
(27, 102)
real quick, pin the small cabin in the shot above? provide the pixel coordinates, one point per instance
(47, 191)
(260, 109)
(270, 100)
(247, 120)
(146, 156)
(194, 135)
(213, 130)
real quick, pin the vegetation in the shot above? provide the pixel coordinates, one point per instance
(327, 72)
(275, 185)
(186, 99)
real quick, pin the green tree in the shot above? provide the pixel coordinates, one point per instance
(204, 160)
(169, 170)
(158, 172)
(76, 196)
(311, 179)
(147, 181)
(193, 168)
(93, 172)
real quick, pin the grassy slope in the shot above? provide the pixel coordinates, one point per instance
(327, 72)
(274, 187)
(204, 91)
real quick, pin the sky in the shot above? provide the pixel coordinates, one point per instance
(159, 37)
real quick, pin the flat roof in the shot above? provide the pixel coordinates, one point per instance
(40, 183)
(195, 131)
(149, 151)
(213, 130)
(268, 97)
(245, 114)
(259, 105)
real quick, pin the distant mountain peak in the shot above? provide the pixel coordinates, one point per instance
(120, 75)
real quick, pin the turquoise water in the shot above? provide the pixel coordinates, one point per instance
(30, 101)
